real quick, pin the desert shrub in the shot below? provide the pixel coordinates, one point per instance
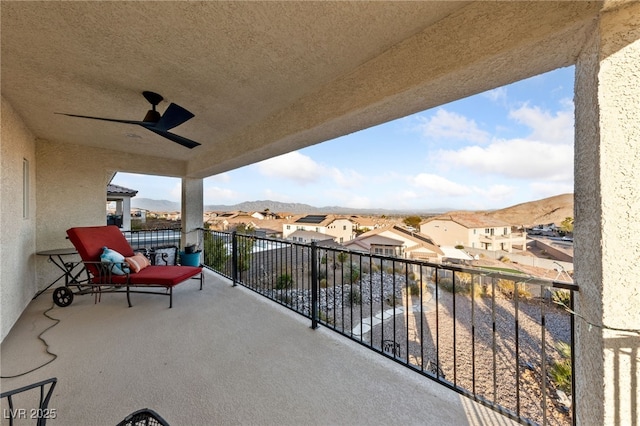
(562, 297)
(414, 289)
(463, 285)
(504, 259)
(323, 283)
(460, 247)
(351, 273)
(508, 288)
(284, 281)
(354, 297)
(560, 371)
(323, 316)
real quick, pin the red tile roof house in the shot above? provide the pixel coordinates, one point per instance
(398, 242)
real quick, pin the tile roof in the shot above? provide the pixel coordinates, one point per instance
(120, 190)
(471, 220)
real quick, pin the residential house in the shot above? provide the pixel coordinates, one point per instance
(367, 223)
(307, 237)
(63, 57)
(397, 241)
(264, 215)
(339, 228)
(121, 214)
(475, 231)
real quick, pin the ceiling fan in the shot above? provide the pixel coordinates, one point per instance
(174, 116)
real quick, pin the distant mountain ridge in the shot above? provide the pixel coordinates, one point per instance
(540, 212)
(273, 206)
(548, 210)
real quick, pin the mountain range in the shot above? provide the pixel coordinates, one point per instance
(547, 210)
(273, 206)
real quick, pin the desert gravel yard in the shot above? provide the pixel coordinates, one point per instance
(468, 352)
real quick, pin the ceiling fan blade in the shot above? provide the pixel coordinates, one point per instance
(174, 116)
(173, 137)
(114, 120)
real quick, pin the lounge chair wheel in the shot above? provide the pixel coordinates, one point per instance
(62, 296)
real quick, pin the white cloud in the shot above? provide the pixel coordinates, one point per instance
(293, 166)
(547, 127)
(358, 202)
(497, 193)
(449, 125)
(175, 192)
(498, 95)
(541, 190)
(269, 194)
(515, 158)
(217, 195)
(303, 170)
(408, 194)
(222, 178)
(346, 179)
(438, 185)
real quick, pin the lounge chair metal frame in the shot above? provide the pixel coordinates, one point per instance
(89, 242)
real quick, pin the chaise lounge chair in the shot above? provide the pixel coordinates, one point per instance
(104, 276)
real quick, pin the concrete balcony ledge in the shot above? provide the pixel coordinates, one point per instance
(223, 355)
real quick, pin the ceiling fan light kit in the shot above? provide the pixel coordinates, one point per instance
(173, 116)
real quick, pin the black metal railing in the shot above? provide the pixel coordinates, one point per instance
(153, 238)
(500, 337)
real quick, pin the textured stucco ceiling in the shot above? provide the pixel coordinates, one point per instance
(264, 78)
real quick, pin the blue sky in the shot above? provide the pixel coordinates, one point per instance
(496, 149)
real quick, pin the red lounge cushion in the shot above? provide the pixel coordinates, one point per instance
(167, 276)
(90, 240)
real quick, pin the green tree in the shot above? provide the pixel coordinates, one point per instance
(413, 221)
(215, 251)
(246, 242)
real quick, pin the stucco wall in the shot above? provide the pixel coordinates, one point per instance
(341, 229)
(446, 232)
(17, 233)
(607, 220)
(71, 191)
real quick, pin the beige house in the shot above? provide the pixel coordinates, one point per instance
(339, 228)
(120, 197)
(368, 223)
(397, 242)
(300, 74)
(307, 237)
(475, 231)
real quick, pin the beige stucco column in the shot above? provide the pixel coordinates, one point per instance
(607, 220)
(192, 210)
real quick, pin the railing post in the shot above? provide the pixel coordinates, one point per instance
(314, 285)
(234, 258)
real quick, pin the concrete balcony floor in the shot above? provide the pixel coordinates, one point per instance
(221, 356)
